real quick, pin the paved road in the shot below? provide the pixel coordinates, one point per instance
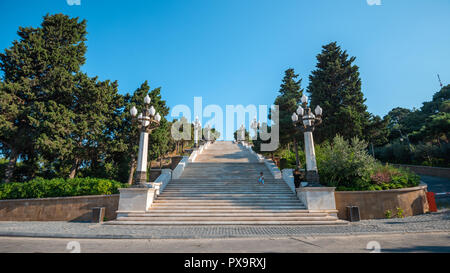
(397, 243)
(438, 185)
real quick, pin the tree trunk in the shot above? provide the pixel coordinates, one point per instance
(11, 165)
(132, 169)
(74, 169)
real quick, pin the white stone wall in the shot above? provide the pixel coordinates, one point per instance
(288, 177)
(178, 171)
(273, 169)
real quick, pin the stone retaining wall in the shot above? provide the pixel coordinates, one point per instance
(425, 170)
(374, 204)
(77, 208)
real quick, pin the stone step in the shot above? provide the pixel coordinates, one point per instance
(235, 201)
(227, 184)
(226, 206)
(222, 193)
(229, 190)
(196, 179)
(227, 219)
(227, 210)
(228, 198)
(156, 214)
(224, 222)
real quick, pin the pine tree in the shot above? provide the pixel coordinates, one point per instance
(335, 85)
(288, 101)
(39, 72)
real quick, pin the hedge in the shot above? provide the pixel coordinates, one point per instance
(59, 187)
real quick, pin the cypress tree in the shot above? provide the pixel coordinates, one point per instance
(39, 72)
(288, 100)
(335, 85)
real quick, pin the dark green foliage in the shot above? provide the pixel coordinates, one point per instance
(419, 136)
(58, 121)
(247, 136)
(58, 187)
(348, 167)
(335, 85)
(288, 101)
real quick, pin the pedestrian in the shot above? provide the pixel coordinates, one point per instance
(261, 178)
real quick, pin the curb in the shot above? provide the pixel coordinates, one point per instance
(130, 237)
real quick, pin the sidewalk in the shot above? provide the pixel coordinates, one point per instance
(434, 222)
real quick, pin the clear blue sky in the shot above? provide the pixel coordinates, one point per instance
(236, 51)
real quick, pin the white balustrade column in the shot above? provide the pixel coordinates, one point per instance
(311, 164)
(141, 171)
(196, 137)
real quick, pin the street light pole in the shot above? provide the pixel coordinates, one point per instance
(147, 122)
(255, 125)
(306, 121)
(241, 134)
(197, 126)
(208, 132)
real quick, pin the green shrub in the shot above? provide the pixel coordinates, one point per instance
(345, 165)
(59, 187)
(349, 167)
(388, 214)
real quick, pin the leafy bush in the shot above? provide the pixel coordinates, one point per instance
(345, 165)
(349, 167)
(420, 154)
(58, 187)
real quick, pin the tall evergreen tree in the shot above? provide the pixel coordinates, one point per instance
(335, 85)
(39, 71)
(288, 101)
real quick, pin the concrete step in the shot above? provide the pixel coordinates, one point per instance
(196, 179)
(226, 211)
(227, 194)
(215, 193)
(229, 186)
(227, 219)
(226, 206)
(157, 214)
(235, 202)
(225, 199)
(221, 223)
(228, 191)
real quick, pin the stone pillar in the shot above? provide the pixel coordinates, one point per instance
(312, 174)
(141, 170)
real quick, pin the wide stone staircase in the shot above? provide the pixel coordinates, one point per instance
(221, 188)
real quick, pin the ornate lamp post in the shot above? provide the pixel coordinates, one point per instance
(241, 133)
(208, 132)
(197, 126)
(306, 121)
(255, 125)
(147, 121)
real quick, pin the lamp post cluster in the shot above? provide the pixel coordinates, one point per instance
(255, 125)
(208, 132)
(197, 126)
(147, 121)
(305, 121)
(241, 133)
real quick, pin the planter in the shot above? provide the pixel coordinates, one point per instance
(374, 204)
